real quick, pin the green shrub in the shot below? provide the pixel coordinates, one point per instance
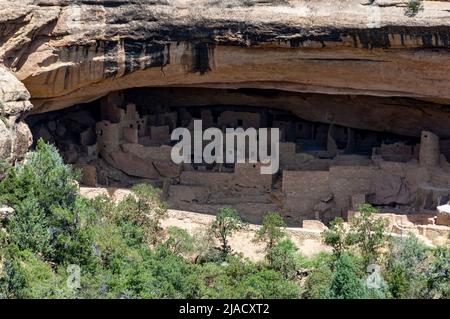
(205, 247)
(438, 274)
(179, 241)
(227, 222)
(318, 283)
(238, 278)
(406, 262)
(337, 237)
(346, 284)
(369, 231)
(48, 207)
(283, 258)
(413, 7)
(271, 231)
(4, 168)
(145, 210)
(267, 284)
(27, 276)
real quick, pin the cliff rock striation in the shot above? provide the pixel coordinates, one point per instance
(68, 52)
(15, 136)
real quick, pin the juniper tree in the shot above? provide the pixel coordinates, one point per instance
(271, 231)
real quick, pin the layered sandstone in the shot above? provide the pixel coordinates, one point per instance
(15, 136)
(67, 52)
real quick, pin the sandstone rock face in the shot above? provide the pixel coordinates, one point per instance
(314, 225)
(67, 52)
(15, 136)
(14, 97)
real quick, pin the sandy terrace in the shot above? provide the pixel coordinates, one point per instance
(307, 240)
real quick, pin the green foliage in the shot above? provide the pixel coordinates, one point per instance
(227, 222)
(180, 242)
(238, 278)
(417, 271)
(368, 231)
(340, 277)
(48, 208)
(438, 274)
(405, 265)
(271, 231)
(267, 284)
(4, 168)
(318, 282)
(346, 283)
(408, 252)
(123, 252)
(413, 7)
(283, 258)
(205, 248)
(141, 273)
(29, 229)
(337, 236)
(43, 176)
(27, 276)
(143, 209)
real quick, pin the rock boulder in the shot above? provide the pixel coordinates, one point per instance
(15, 136)
(443, 215)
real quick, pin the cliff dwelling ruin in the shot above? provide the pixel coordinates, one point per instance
(331, 158)
(360, 93)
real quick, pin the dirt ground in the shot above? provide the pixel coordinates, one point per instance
(308, 241)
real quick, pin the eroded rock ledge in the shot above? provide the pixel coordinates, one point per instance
(15, 136)
(67, 52)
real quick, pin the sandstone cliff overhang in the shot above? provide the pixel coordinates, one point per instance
(14, 97)
(67, 52)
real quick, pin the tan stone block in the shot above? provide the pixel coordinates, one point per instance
(249, 175)
(443, 215)
(433, 232)
(314, 224)
(304, 189)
